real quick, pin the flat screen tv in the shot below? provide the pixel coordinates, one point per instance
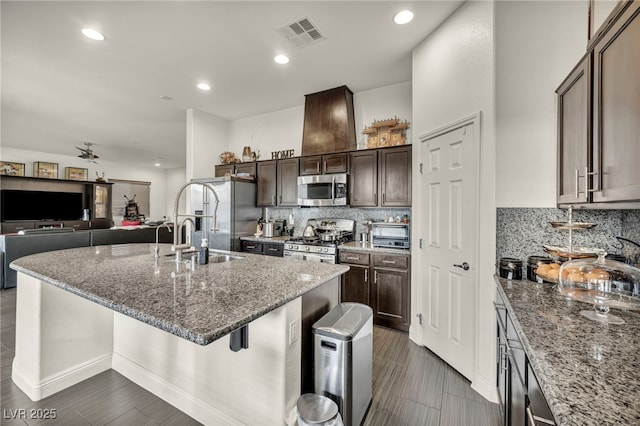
(40, 205)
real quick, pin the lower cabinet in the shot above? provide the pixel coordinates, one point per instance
(521, 400)
(268, 249)
(381, 281)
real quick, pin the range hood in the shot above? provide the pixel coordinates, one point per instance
(329, 124)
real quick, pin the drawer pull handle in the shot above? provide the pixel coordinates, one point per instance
(251, 247)
(533, 419)
(353, 258)
(391, 262)
(273, 249)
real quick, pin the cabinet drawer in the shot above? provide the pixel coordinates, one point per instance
(538, 408)
(273, 249)
(390, 261)
(354, 257)
(251, 247)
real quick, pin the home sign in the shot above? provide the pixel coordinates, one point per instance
(278, 155)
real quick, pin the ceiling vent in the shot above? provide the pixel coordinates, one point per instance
(301, 32)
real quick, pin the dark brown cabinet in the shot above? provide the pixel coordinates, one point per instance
(390, 290)
(287, 182)
(598, 106)
(574, 135)
(521, 400)
(278, 182)
(381, 281)
(267, 183)
(363, 178)
(230, 169)
(14, 227)
(616, 108)
(268, 249)
(380, 177)
(321, 164)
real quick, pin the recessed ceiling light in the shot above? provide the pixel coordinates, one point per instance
(403, 17)
(92, 34)
(281, 59)
(157, 164)
(204, 86)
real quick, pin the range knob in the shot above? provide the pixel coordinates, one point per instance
(294, 247)
(307, 248)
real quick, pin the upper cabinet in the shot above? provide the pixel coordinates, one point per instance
(380, 177)
(321, 164)
(278, 183)
(616, 110)
(574, 134)
(237, 168)
(598, 126)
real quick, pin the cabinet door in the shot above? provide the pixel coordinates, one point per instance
(390, 298)
(101, 202)
(267, 178)
(537, 408)
(288, 182)
(273, 249)
(224, 170)
(355, 285)
(14, 227)
(616, 103)
(574, 134)
(248, 168)
(502, 367)
(311, 165)
(395, 176)
(517, 395)
(363, 179)
(335, 163)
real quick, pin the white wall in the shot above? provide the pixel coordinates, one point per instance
(537, 44)
(282, 130)
(207, 138)
(453, 77)
(175, 178)
(111, 171)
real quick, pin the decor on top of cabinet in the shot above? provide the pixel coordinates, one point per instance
(389, 132)
(100, 178)
(247, 155)
(75, 173)
(229, 157)
(45, 170)
(11, 169)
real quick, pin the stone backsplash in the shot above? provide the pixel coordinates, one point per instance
(302, 214)
(521, 232)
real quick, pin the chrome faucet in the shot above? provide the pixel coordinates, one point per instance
(156, 248)
(177, 246)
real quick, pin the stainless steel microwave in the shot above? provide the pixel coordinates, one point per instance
(391, 234)
(322, 190)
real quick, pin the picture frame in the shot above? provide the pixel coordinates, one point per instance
(45, 170)
(76, 173)
(9, 168)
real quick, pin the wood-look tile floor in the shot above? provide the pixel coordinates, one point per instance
(411, 386)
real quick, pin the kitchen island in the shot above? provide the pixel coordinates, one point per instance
(167, 327)
(587, 370)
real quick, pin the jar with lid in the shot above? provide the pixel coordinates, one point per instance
(510, 268)
(602, 282)
(532, 264)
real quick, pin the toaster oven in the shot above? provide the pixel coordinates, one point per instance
(392, 235)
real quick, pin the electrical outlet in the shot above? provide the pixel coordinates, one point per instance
(294, 330)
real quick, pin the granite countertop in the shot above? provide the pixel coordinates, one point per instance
(276, 240)
(201, 305)
(360, 246)
(587, 370)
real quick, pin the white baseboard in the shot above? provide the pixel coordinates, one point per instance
(486, 388)
(184, 401)
(62, 380)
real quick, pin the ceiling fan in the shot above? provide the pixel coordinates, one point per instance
(87, 153)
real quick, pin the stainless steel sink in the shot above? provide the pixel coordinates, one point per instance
(220, 258)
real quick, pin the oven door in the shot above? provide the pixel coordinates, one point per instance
(293, 255)
(322, 190)
(321, 258)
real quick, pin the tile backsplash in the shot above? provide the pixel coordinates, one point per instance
(521, 232)
(302, 214)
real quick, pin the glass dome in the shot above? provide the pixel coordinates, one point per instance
(603, 282)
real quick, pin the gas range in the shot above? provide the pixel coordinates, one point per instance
(323, 247)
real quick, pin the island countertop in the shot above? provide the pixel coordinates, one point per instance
(587, 370)
(200, 305)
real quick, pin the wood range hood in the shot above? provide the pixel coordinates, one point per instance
(329, 124)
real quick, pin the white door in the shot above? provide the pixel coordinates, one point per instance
(448, 188)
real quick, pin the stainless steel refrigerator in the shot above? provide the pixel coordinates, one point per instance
(237, 214)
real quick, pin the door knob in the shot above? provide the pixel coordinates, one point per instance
(464, 266)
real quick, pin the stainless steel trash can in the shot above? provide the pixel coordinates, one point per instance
(343, 344)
